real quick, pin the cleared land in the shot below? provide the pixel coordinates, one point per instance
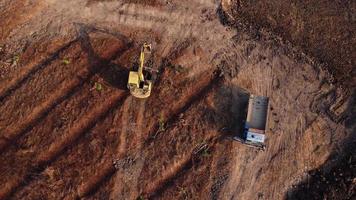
(63, 137)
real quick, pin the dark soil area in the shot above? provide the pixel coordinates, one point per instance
(324, 29)
(336, 182)
(336, 179)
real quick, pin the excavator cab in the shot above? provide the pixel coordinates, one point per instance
(138, 84)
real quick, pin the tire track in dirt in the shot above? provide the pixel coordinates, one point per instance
(197, 175)
(173, 54)
(66, 140)
(23, 74)
(155, 13)
(124, 125)
(222, 152)
(94, 182)
(108, 169)
(170, 23)
(140, 123)
(260, 84)
(131, 133)
(195, 94)
(183, 162)
(283, 134)
(139, 156)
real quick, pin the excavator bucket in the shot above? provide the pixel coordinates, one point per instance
(137, 84)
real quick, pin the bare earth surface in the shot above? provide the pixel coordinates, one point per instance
(62, 137)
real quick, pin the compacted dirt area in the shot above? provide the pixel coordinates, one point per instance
(69, 129)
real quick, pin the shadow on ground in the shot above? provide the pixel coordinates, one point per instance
(231, 105)
(109, 71)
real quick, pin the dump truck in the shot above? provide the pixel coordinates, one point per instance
(255, 125)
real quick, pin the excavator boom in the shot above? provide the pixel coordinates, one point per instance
(140, 69)
(146, 48)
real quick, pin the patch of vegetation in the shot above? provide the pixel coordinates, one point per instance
(98, 86)
(205, 152)
(183, 192)
(15, 60)
(66, 61)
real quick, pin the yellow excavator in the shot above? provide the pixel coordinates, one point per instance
(139, 86)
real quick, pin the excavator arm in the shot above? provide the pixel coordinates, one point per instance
(146, 48)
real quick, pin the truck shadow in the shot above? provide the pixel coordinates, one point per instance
(335, 178)
(230, 106)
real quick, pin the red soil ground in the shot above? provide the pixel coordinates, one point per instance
(63, 137)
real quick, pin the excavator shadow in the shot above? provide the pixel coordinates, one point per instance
(115, 75)
(112, 73)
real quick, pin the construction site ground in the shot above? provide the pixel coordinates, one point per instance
(69, 128)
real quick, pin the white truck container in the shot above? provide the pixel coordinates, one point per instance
(256, 121)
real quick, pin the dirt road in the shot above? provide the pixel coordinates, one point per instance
(62, 137)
